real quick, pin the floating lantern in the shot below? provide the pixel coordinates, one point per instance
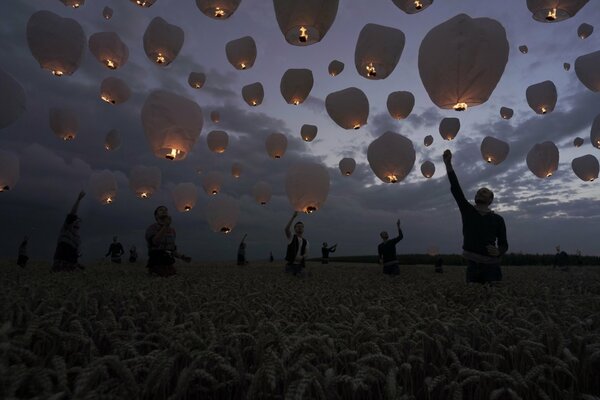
(144, 181)
(428, 140)
(585, 30)
(185, 196)
(236, 170)
(109, 49)
(335, 68)
(493, 150)
(554, 10)
(217, 141)
(222, 213)
(73, 3)
(262, 192)
(276, 144)
(567, 66)
(162, 41)
(253, 94)
(542, 97)
(349, 108)
(587, 68)
(428, 169)
(215, 117)
(114, 91)
(64, 123)
(523, 49)
(296, 85)
(104, 187)
(241, 53)
(378, 51)
(305, 22)
(400, 104)
(196, 79)
(218, 9)
(144, 3)
(308, 132)
(542, 159)
(112, 141)
(307, 186)
(578, 142)
(586, 167)
(107, 13)
(347, 166)
(391, 157)
(211, 182)
(449, 128)
(595, 132)
(506, 113)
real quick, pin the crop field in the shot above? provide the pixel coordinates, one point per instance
(341, 332)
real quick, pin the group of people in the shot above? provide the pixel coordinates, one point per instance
(116, 251)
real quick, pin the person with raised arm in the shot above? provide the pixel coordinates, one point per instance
(23, 257)
(387, 252)
(325, 250)
(162, 250)
(115, 251)
(297, 247)
(69, 241)
(241, 253)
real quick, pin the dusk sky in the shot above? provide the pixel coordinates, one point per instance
(539, 213)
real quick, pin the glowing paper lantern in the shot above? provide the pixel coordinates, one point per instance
(307, 186)
(391, 157)
(253, 94)
(305, 22)
(567, 66)
(462, 60)
(9, 171)
(211, 182)
(542, 159)
(586, 167)
(103, 185)
(412, 6)
(144, 181)
(308, 132)
(335, 68)
(493, 150)
(296, 85)
(400, 104)
(241, 53)
(196, 79)
(112, 141)
(347, 166)
(236, 170)
(144, 3)
(428, 169)
(114, 91)
(107, 12)
(12, 99)
(109, 49)
(585, 30)
(554, 10)
(172, 124)
(185, 196)
(215, 117)
(523, 49)
(542, 97)
(428, 140)
(506, 113)
(578, 142)
(56, 43)
(276, 144)
(217, 141)
(73, 3)
(378, 51)
(218, 9)
(64, 123)
(595, 132)
(449, 128)
(222, 213)
(162, 41)
(262, 192)
(349, 108)
(587, 68)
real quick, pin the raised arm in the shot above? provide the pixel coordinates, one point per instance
(400, 235)
(288, 231)
(244, 238)
(455, 188)
(80, 196)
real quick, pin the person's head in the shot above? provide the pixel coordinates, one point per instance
(299, 228)
(324, 244)
(384, 235)
(160, 212)
(484, 196)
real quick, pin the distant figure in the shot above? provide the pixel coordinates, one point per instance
(556, 257)
(22, 260)
(162, 250)
(271, 258)
(297, 247)
(67, 248)
(579, 259)
(133, 254)
(482, 229)
(387, 252)
(439, 265)
(241, 254)
(562, 261)
(325, 252)
(115, 251)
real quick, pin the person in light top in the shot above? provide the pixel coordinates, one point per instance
(297, 247)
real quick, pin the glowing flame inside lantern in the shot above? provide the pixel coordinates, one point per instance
(76, 5)
(551, 15)
(110, 64)
(296, 102)
(489, 159)
(197, 85)
(303, 35)
(392, 178)
(4, 188)
(107, 99)
(219, 12)
(543, 109)
(549, 174)
(108, 200)
(418, 5)
(225, 230)
(160, 59)
(347, 173)
(277, 156)
(310, 209)
(174, 153)
(214, 192)
(242, 65)
(254, 102)
(460, 107)
(143, 195)
(356, 126)
(187, 208)
(107, 147)
(141, 3)
(262, 203)
(371, 70)
(57, 72)
(69, 136)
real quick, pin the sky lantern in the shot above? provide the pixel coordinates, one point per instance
(103, 185)
(296, 85)
(112, 141)
(462, 60)
(542, 159)
(241, 53)
(449, 128)
(144, 181)
(253, 94)
(566, 66)
(262, 192)
(64, 123)
(217, 141)
(222, 213)
(412, 6)
(578, 142)
(378, 51)
(218, 9)
(428, 169)
(109, 49)
(554, 10)
(305, 22)
(308, 132)
(347, 166)
(56, 43)
(391, 157)
(172, 124)
(400, 104)
(107, 13)
(587, 68)
(335, 68)
(12, 99)
(215, 117)
(307, 186)
(586, 167)
(236, 170)
(212, 182)
(585, 30)
(595, 132)
(73, 3)
(428, 140)
(542, 97)
(506, 113)
(185, 196)
(9, 170)
(144, 3)
(276, 144)
(523, 49)
(114, 90)
(493, 150)
(162, 41)
(196, 79)
(349, 108)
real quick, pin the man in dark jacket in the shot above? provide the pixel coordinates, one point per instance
(325, 250)
(387, 252)
(115, 251)
(297, 247)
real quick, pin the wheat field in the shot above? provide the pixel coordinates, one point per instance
(341, 332)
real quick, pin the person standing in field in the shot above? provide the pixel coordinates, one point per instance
(297, 247)
(69, 241)
(387, 252)
(241, 253)
(325, 250)
(23, 258)
(133, 254)
(115, 251)
(484, 231)
(162, 250)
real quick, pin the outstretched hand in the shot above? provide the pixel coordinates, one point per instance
(398, 223)
(81, 195)
(447, 157)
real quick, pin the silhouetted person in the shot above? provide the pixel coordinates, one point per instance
(115, 251)
(67, 248)
(439, 265)
(22, 260)
(325, 252)
(162, 250)
(133, 255)
(241, 253)
(271, 258)
(556, 257)
(387, 252)
(563, 261)
(579, 259)
(297, 247)
(482, 230)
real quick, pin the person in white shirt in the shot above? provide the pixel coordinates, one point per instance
(297, 247)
